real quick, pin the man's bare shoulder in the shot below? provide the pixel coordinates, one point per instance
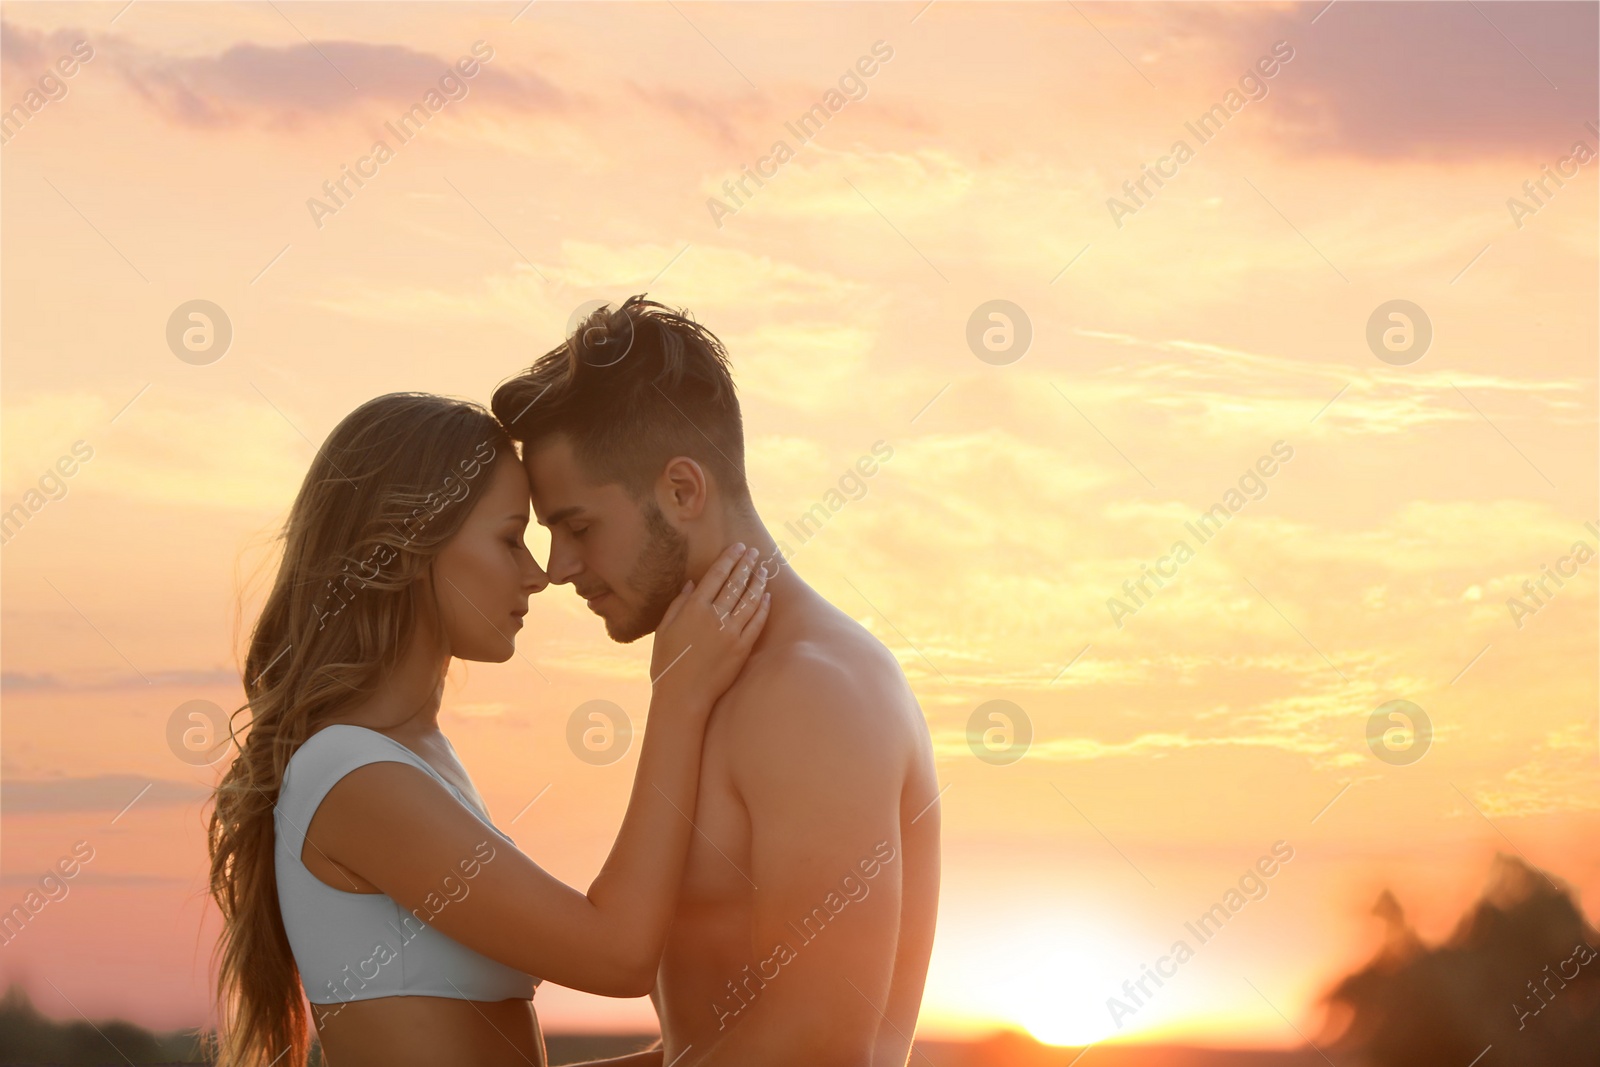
(829, 692)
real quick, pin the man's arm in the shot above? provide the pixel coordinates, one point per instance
(819, 765)
(919, 816)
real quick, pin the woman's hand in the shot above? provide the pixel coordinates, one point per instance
(708, 631)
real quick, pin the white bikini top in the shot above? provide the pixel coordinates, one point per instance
(361, 946)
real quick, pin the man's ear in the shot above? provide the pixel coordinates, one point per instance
(682, 491)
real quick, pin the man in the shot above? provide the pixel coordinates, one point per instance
(806, 914)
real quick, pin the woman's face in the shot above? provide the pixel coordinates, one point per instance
(484, 574)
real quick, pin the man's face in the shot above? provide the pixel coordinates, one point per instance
(621, 556)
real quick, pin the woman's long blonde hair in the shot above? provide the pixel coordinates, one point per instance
(391, 484)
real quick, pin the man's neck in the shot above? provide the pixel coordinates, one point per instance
(783, 583)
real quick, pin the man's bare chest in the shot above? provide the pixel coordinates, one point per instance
(718, 870)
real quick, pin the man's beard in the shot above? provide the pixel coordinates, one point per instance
(658, 577)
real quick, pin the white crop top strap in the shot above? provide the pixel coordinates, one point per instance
(360, 946)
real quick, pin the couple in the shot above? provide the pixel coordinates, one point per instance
(789, 922)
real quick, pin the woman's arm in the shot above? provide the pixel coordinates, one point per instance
(650, 1057)
(393, 825)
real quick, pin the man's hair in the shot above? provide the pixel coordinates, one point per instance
(633, 387)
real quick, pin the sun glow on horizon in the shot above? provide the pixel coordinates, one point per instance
(1047, 975)
(1064, 1026)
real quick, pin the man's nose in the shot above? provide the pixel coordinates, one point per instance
(562, 568)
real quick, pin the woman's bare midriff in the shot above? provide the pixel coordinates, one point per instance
(429, 1032)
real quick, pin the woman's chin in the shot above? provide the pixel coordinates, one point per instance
(501, 652)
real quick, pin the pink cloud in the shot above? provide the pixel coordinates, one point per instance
(1437, 80)
(294, 84)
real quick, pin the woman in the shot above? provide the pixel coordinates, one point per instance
(350, 853)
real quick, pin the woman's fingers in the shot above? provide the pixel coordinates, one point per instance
(735, 586)
(752, 629)
(751, 599)
(711, 582)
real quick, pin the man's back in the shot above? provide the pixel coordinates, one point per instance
(807, 910)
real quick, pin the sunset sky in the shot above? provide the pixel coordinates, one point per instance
(1177, 338)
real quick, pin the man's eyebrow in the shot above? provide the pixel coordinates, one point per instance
(561, 516)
